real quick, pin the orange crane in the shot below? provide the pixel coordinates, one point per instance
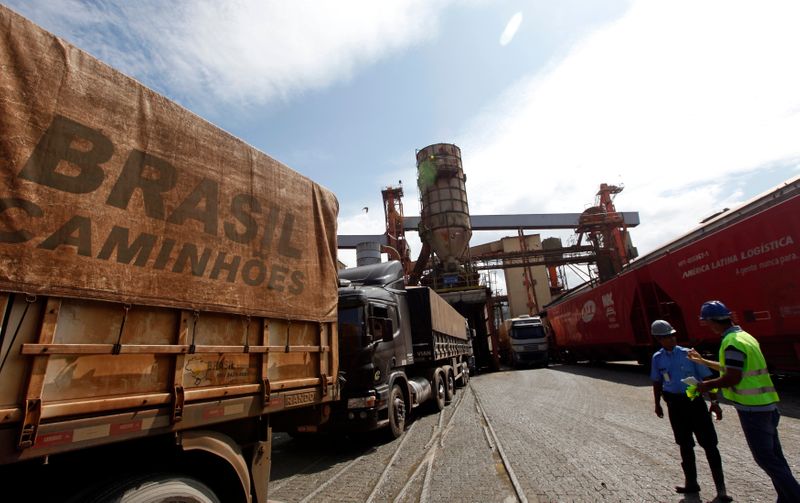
(605, 228)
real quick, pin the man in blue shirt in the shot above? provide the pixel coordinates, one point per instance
(688, 417)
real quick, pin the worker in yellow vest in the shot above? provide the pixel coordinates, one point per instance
(745, 381)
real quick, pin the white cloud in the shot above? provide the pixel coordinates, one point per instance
(673, 99)
(511, 29)
(247, 51)
(282, 47)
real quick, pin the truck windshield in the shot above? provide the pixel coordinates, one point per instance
(351, 327)
(527, 332)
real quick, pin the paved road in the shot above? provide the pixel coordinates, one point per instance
(567, 433)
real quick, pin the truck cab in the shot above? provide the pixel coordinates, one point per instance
(529, 344)
(374, 342)
(399, 347)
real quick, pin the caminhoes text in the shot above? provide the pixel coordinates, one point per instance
(70, 158)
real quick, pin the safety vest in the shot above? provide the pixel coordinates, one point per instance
(756, 386)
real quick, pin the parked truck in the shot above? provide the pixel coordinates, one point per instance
(400, 347)
(524, 341)
(166, 291)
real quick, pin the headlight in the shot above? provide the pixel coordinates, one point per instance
(364, 402)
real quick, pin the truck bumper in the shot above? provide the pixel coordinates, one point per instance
(538, 357)
(348, 418)
(356, 420)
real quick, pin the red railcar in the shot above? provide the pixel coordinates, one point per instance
(749, 258)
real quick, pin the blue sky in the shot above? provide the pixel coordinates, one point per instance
(692, 105)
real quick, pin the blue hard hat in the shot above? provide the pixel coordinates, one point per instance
(714, 310)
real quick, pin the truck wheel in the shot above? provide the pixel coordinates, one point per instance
(464, 379)
(155, 488)
(439, 390)
(450, 390)
(397, 412)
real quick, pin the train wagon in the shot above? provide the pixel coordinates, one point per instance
(748, 257)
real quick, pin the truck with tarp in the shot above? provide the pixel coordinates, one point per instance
(167, 292)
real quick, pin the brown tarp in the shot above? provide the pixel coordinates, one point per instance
(110, 191)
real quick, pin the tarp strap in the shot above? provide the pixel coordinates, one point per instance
(247, 335)
(192, 346)
(288, 327)
(118, 346)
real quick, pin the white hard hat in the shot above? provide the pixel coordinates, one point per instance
(661, 328)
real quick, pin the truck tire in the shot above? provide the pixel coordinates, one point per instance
(450, 389)
(397, 412)
(439, 391)
(154, 488)
(465, 376)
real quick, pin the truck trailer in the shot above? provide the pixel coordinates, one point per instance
(166, 291)
(400, 347)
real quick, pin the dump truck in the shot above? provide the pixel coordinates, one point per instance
(399, 348)
(167, 292)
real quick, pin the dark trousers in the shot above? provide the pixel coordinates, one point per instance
(690, 419)
(761, 431)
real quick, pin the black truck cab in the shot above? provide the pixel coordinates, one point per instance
(380, 378)
(373, 342)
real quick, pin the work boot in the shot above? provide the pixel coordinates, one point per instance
(715, 463)
(689, 471)
(722, 496)
(687, 488)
